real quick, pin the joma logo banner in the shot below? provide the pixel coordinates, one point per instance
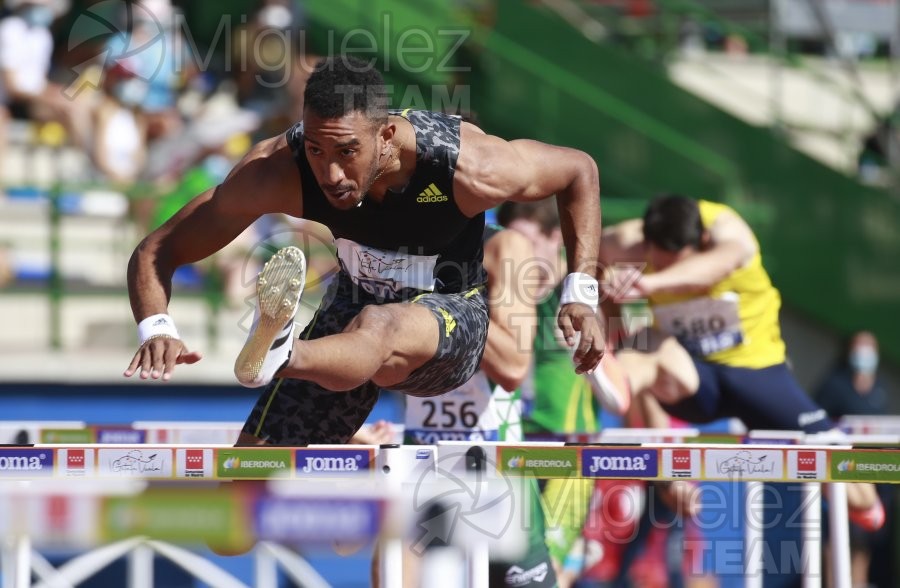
(335, 461)
(17, 461)
(619, 463)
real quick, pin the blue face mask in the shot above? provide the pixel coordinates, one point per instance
(864, 360)
(130, 92)
(38, 16)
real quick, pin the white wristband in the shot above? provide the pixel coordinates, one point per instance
(579, 287)
(157, 325)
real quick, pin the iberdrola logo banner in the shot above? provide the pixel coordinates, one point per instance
(865, 466)
(253, 463)
(544, 463)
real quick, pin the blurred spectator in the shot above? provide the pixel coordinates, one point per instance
(26, 48)
(272, 65)
(120, 131)
(854, 387)
(736, 44)
(158, 56)
(855, 45)
(880, 147)
(211, 126)
(691, 39)
(205, 173)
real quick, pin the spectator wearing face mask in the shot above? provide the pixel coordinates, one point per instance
(274, 65)
(854, 387)
(159, 56)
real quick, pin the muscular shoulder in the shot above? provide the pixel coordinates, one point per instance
(491, 170)
(478, 154)
(267, 178)
(482, 177)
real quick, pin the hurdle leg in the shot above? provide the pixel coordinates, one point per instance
(479, 566)
(140, 567)
(753, 534)
(445, 567)
(811, 558)
(15, 563)
(839, 527)
(7, 564)
(265, 568)
(391, 563)
(23, 562)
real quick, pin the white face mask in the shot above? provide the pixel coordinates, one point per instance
(864, 359)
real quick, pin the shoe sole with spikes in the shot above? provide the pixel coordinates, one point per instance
(278, 288)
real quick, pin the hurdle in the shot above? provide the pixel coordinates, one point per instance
(753, 508)
(180, 432)
(397, 467)
(870, 424)
(19, 432)
(20, 560)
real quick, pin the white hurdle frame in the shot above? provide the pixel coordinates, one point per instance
(18, 558)
(19, 561)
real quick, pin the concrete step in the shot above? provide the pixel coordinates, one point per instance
(816, 104)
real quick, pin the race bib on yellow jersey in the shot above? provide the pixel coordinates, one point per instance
(386, 273)
(703, 326)
(467, 413)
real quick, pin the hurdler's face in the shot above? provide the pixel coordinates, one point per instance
(344, 154)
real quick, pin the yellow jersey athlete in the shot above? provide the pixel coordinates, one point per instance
(715, 349)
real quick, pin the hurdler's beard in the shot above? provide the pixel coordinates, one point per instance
(374, 174)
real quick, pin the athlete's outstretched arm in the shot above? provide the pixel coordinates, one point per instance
(732, 245)
(507, 354)
(491, 170)
(264, 181)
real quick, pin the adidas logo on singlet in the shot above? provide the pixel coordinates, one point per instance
(431, 194)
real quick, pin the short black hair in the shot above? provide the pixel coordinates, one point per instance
(543, 212)
(341, 85)
(672, 222)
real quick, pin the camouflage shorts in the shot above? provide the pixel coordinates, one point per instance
(299, 412)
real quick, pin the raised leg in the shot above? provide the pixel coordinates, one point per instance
(384, 344)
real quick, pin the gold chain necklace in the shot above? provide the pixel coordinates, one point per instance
(390, 161)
